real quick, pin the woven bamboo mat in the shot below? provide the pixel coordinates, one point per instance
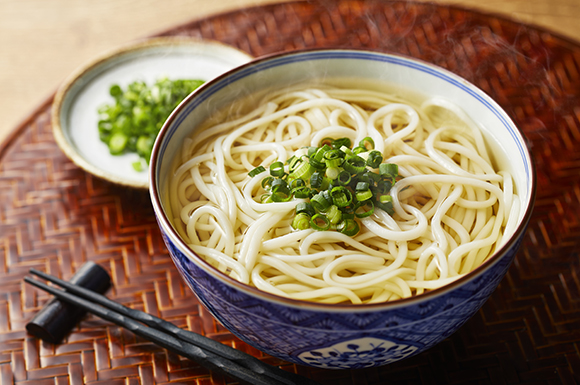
(54, 217)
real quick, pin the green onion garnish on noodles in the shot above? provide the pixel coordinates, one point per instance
(337, 186)
(367, 143)
(256, 171)
(305, 207)
(301, 192)
(344, 177)
(333, 158)
(319, 222)
(304, 171)
(301, 222)
(361, 213)
(341, 196)
(338, 143)
(354, 164)
(277, 169)
(363, 192)
(389, 169)
(334, 215)
(348, 227)
(374, 159)
(320, 203)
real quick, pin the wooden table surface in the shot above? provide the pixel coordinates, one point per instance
(43, 41)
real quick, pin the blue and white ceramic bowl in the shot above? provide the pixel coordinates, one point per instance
(341, 336)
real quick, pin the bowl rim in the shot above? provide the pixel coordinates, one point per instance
(77, 76)
(166, 225)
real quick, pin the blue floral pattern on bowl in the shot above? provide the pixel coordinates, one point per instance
(357, 354)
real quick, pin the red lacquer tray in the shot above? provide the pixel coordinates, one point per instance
(54, 216)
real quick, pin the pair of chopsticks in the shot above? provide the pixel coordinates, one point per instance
(209, 353)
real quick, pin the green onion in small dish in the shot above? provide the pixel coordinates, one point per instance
(85, 129)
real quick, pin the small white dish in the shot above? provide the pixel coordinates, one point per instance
(74, 110)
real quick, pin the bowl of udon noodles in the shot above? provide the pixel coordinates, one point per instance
(341, 208)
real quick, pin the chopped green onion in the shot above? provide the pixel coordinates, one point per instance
(384, 186)
(364, 214)
(301, 192)
(344, 177)
(363, 192)
(337, 186)
(368, 143)
(341, 197)
(348, 227)
(317, 159)
(316, 179)
(277, 169)
(386, 207)
(301, 222)
(374, 159)
(326, 183)
(280, 185)
(338, 143)
(363, 177)
(280, 196)
(334, 215)
(334, 163)
(319, 155)
(294, 163)
(320, 202)
(372, 178)
(332, 172)
(354, 164)
(389, 169)
(333, 158)
(385, 199)
(319, 222)
(117, 143)
(347, 151)
(318, 165)
(137, 165)
(305, 207)
(326, 141)
(297, 183)
(362, 196)
(362, 186)
(346, 215)
(304, 171)
(326, 195)
(256, 171)
(144, 146)
(115, 90)
(131, 123)
(267, 182)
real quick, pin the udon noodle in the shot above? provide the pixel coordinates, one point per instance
(451, 207)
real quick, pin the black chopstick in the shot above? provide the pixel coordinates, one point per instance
(205, 351)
